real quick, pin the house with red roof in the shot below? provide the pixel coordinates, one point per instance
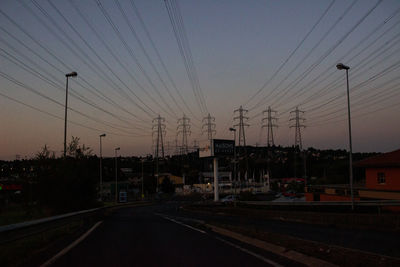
(382, 176)
(382, 182)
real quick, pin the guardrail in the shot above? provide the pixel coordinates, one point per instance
(380, 203)
(14, 232)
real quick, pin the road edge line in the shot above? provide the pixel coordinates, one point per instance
(71, 246)
(290, 254)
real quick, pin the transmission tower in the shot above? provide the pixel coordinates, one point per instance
(241, 118)
(159, 132)
(209, 126)
(268, 122)
(195, 145)
(297, 139)
(176, 152)
(241, 124)
(183, 130)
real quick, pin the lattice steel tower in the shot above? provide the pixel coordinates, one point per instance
(209, 126)
(269, 123)
(183, 130)
(241, 124)
(158, 136)
(297, 139)
(298, 125)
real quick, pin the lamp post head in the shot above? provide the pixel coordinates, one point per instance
(102, 135)
(72, 74)
(232, 129)
(341, 66)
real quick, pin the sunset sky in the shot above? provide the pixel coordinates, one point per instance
(252, 53)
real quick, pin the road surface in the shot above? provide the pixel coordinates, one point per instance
(154, 236)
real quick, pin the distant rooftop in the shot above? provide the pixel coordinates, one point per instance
(390, 159)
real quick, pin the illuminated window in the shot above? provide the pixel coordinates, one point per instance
(381, 178)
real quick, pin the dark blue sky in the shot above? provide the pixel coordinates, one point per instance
(236, 48)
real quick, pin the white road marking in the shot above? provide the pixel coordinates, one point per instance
(250, 252)
(178, 222)
(224, 241)
(71, 246)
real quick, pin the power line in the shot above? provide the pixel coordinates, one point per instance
(184, 49)
(15, 81)
(131, 53)
(324, 56)
(107, 79)
(291, 54)
(60, 118)
(136, 10)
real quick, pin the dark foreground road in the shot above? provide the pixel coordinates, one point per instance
(152, 236)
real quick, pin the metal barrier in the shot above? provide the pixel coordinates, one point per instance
(14, 232)
(369, 203)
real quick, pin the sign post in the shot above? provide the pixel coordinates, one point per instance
(216, 186)
(216, 148)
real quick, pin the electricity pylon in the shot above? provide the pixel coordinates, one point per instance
(159, 131)
(242, 135)
(297, 139)
(209, 126)
(269, 123)
(183, 129)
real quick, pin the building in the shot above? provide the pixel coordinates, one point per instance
(382, 176)
(382, 182)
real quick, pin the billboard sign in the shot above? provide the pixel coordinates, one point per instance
(223, 147)
(205, 149)
(216, 148)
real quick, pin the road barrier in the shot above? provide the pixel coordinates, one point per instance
(14, 232)
(364, 203)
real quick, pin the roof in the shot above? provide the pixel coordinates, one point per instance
(390, 159)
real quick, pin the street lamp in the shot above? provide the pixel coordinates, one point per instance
(142, 160)
(116, 176)
(72, 74)
(101, 168)
(234, 155)
(341, 66)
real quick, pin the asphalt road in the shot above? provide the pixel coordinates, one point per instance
(154, 236)
(378, 242)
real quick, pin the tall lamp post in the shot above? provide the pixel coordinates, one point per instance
(101, 168)
(341, 66)
(142, 160)
(72, 74)
(116, 175)
(234, 155)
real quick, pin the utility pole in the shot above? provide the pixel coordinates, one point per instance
(101, 168)
(142, 160)
(183, 129)
(209, 126)
(297, 139)
(159, 131)
(242, 136)
(116, 174)
(269, 122)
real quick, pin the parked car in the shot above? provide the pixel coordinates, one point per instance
(229, 198)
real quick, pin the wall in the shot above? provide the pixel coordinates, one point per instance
(325, 197)
(392, 176)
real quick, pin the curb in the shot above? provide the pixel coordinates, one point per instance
(290, 254)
